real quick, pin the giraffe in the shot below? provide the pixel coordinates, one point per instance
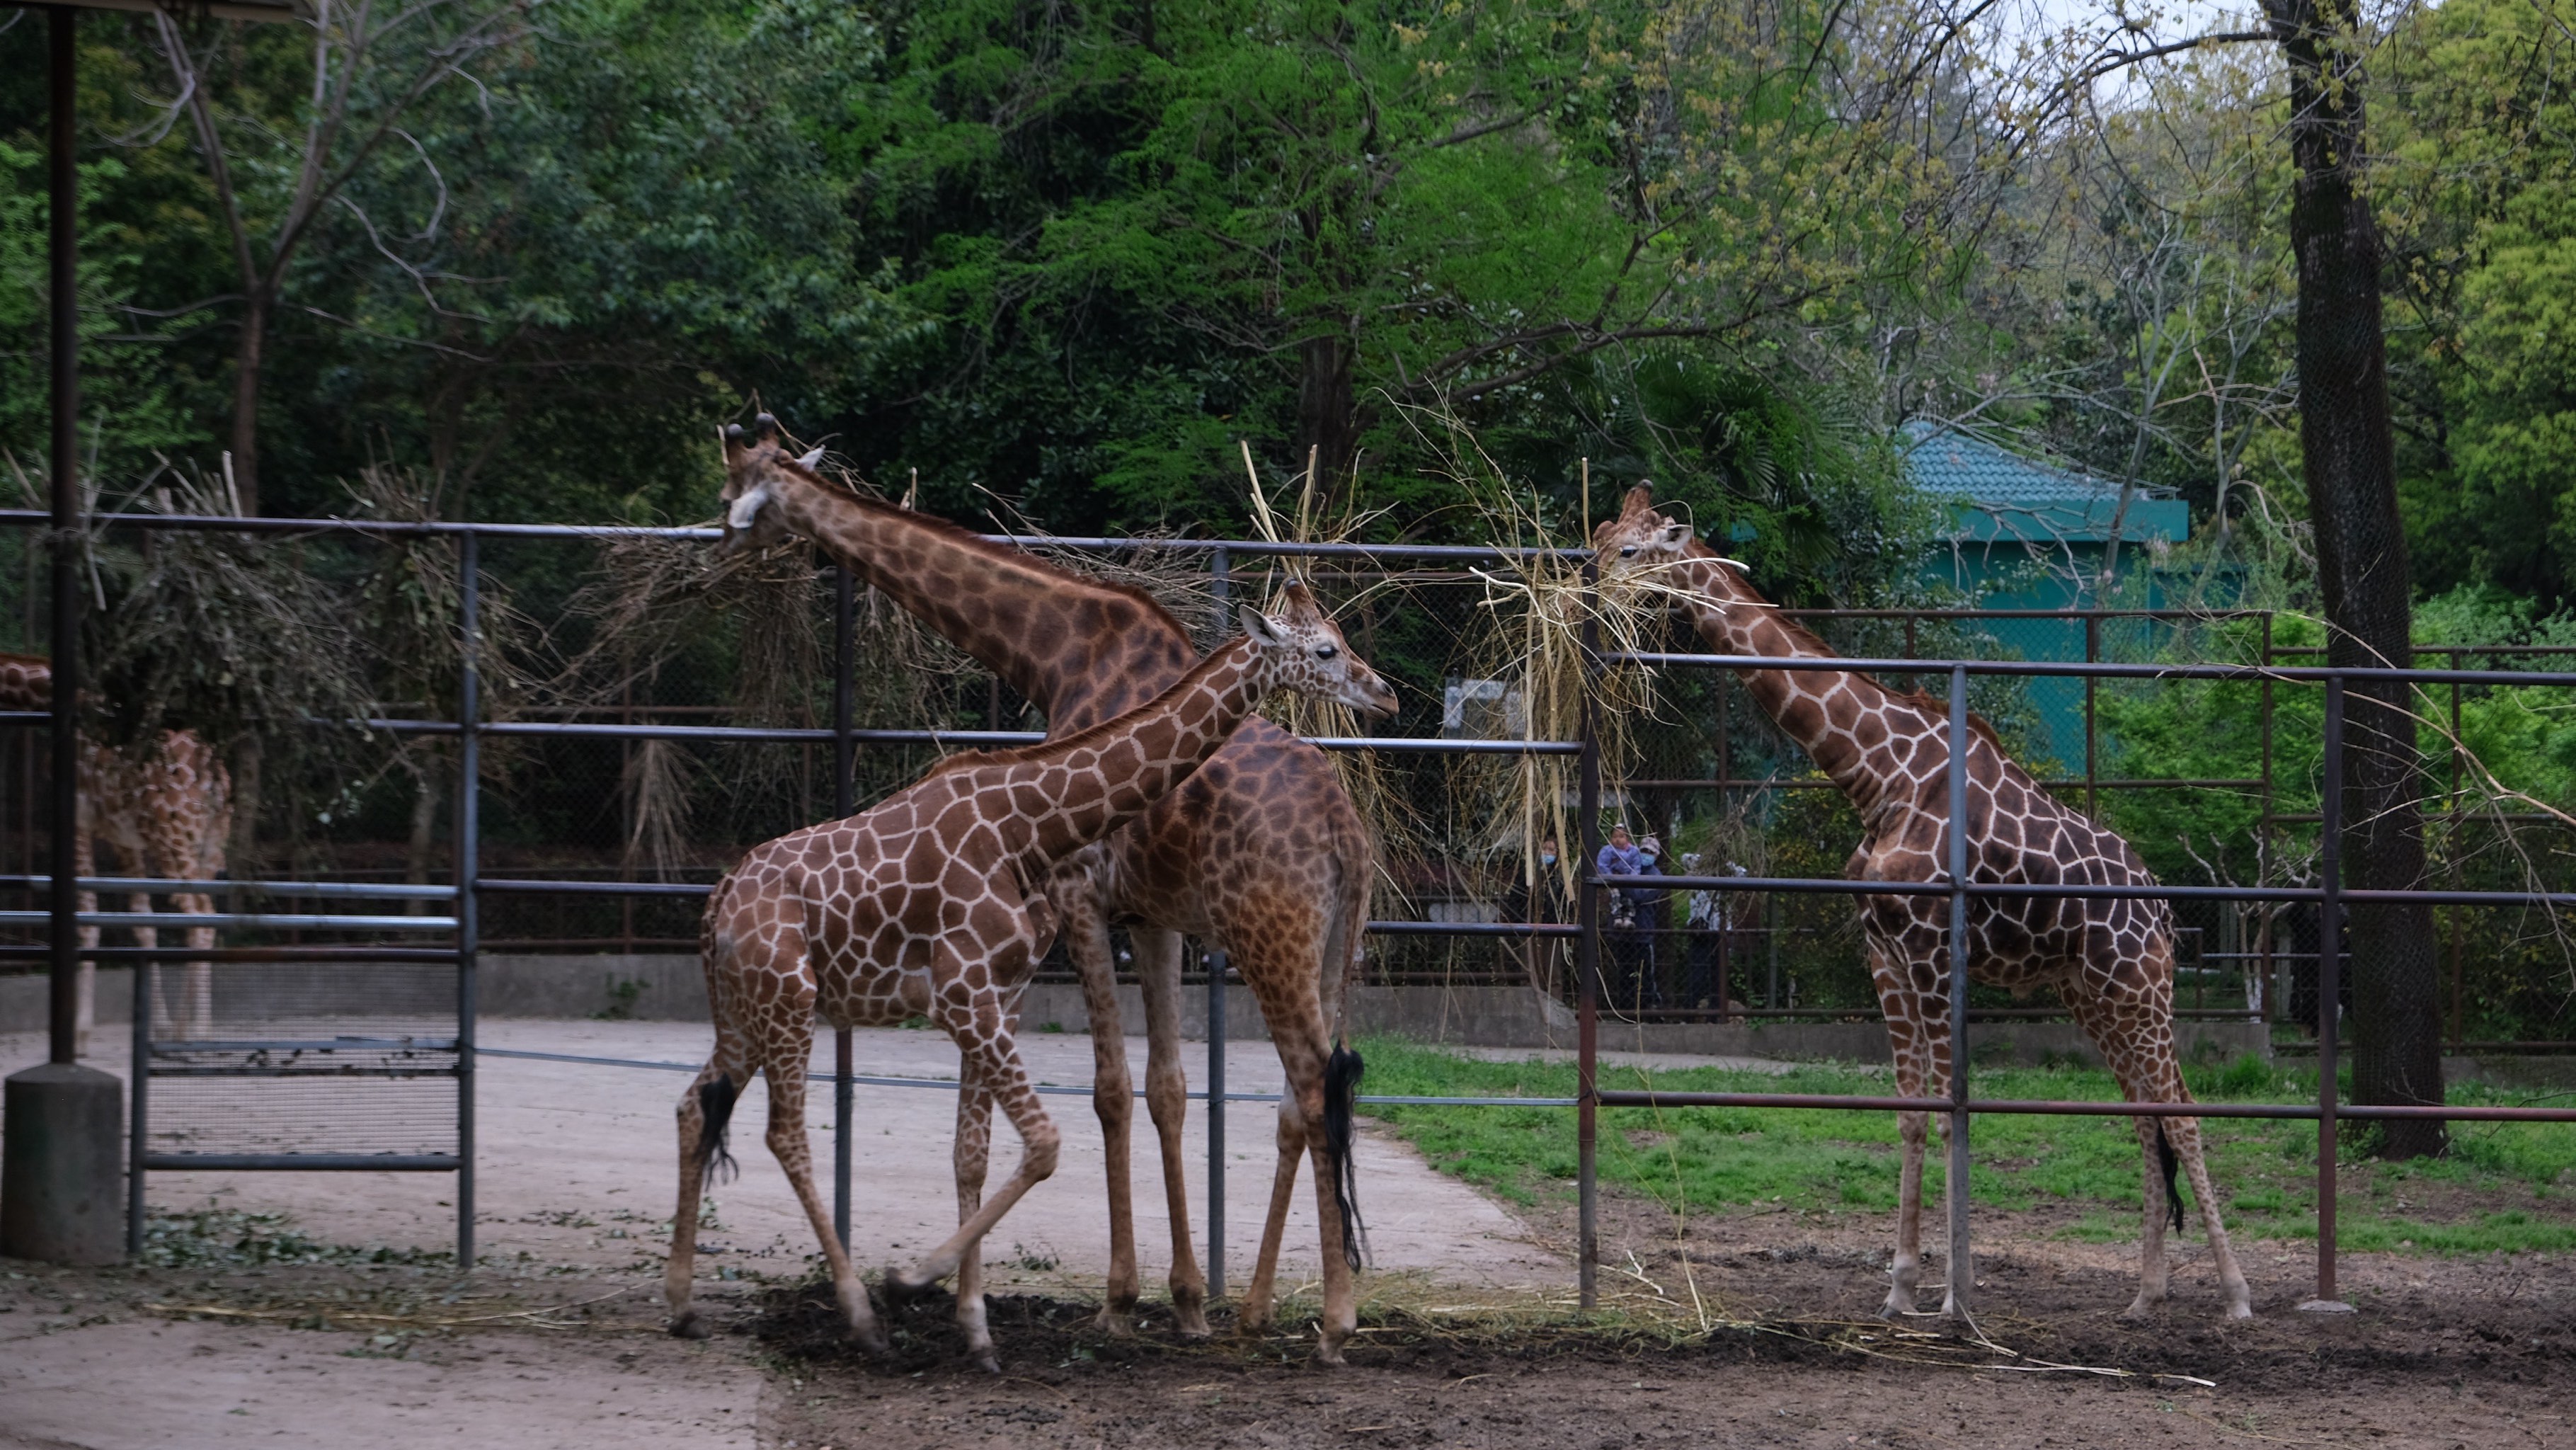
(2110, 959)
(930, 903)
(1261, 852)
(167, 812)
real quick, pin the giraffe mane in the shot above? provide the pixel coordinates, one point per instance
(1089, 735)
(967, 539)
(1939, 709)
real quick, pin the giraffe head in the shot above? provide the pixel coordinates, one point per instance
(1645, 538)
(1640, 537)
(1304, 652)
(758, 473)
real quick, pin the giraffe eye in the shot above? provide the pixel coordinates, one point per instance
(1629, 552)
(1327, 652)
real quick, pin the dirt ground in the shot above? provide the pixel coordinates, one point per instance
(2439, 1353)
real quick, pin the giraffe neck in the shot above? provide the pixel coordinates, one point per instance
(1097, 780)
(1081, 651)
(1809, 706)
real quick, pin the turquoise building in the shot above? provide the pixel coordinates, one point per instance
(2028, 535)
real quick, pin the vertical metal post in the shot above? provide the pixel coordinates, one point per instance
(845, 628)
(62, 190)
(138, 1131)
(1221, 586)
(2329, 990)
(469, 828)
(1216, 967)
(2092, 770)
(1587, 967)
(1963, 1269)
(2451, 842)
(2276, 993)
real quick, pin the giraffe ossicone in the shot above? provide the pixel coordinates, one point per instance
(1261, 853)
(2111, 959)
(922, 906)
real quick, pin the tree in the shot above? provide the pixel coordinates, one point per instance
(2348, 451)
(275, 176)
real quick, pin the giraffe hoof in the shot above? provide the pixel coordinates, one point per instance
(2139, 1309)
(902, 1288)
(1114, 1322)
(1329, 1356)
(2239, 1309)
(987, 1362)
(690, 1324)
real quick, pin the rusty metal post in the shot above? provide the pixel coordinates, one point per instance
(1587, 968)
(1221, 588)
(2329, 995)
(845, 629)
(2092, 735)
(1963, 1267)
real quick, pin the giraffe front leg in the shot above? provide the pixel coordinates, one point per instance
(971, 1157)
(201, 974)
(1911, 1050)
(981, 1029)
(1113, 1100)
(1167, 1100)
(146, 937)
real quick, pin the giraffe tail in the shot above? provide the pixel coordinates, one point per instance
(2165, 1159)
(715, 1101)
(1342, 1073)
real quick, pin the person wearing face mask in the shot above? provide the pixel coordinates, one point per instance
(1628, 980)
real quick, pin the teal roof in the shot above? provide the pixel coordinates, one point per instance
(2001, 497)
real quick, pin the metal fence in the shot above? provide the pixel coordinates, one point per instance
(410, 1048)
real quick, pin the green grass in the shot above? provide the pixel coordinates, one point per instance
(2503, 1186)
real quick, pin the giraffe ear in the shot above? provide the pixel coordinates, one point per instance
(810, 459)
(747, 507)
(1675, 535)
(1265, 631)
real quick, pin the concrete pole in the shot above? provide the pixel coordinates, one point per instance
(62, 1178)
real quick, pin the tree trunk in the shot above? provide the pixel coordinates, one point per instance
(2349, 457)
(1327, 410)
(247, 362)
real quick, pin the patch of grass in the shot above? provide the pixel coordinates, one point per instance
(2504, 1184)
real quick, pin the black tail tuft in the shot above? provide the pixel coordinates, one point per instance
(1341, 1126)
(2165, 1156)
(715, 1103)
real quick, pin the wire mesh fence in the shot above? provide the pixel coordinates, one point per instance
(642, 720)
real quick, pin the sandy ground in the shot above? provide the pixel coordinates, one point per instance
(576, 1167)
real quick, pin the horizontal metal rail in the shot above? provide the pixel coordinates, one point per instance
(21, 952)
(806, 735)
(277, 920)
(1628, 1098)
(392, 529)
(2099, 670)
(943, 1084)
(360, 890)
(2076, 1108)
(2082, 890)
(302, 1162)
(303, 1044)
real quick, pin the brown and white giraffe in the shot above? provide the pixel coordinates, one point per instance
(1261, 852)
(167, 813)
(931, 904)
(2110, 959)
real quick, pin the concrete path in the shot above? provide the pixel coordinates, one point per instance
(576, 1167)
(155, 1384)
